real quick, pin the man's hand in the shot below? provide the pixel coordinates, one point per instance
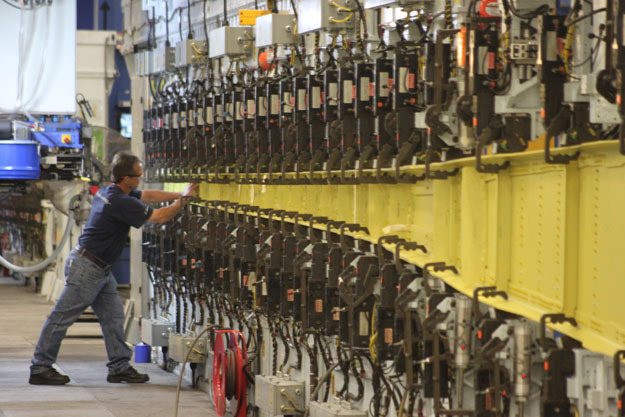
(191, 190)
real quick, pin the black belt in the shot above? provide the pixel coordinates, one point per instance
(88, 255)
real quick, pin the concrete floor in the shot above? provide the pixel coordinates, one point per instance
(22, 313)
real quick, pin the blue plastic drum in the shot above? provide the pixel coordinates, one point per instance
(19, 160)
(143, 353)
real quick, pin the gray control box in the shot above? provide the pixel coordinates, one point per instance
(278, 395)
(191, 52)
(164, 58)
(180, 345)
(230, 41)
(275, 29)
(329, 15)
(156, 332)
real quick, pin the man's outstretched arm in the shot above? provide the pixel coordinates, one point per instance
(165, 214)
(158, 196)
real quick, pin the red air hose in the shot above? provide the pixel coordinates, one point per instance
(219, 375)
(229, 379)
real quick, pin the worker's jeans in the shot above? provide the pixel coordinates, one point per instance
(86, 285)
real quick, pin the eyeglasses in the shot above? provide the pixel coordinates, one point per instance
(134, 175)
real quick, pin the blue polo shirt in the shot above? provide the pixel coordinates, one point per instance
(112, 214)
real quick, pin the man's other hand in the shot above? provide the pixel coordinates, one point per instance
(191, 190)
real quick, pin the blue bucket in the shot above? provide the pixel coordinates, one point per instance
(19, 160)
(143, 353)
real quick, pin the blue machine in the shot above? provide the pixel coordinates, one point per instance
(51, 148)
(64, 134)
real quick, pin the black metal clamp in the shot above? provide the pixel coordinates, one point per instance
(435, 267)
(350, 227)
(486, 292)
(330, 224)
(560, 123)
(407, 245)
(554, 318)
(285, 214)
(440, 267)
(488, 133)
(305, 217)
(311, 226)
(381, 241)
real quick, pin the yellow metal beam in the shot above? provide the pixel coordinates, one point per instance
(548, 235)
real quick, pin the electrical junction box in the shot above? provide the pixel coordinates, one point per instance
(156, 332)
(279, 395)
(164, 57)
(328, 15)
(190, 52)
(180, 344)
(139, 64)
(144, 63)
(318, 409)
(275, 29)
(150, 62)
(230, 41)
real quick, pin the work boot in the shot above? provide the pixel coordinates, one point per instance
(129, 375)
(49, 377)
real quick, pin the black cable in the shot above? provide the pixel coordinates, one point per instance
(287, 350)
(204, 21)
(298, 350)
(575, 8)
(448, 14)
(297, 51)
(294, 9)
(344, 365)
(591, 55)
(12, 5)
(361, 385)
(32, 6)
(190, 34)
(365, 32)
(586, 16)
(314, 365)
(167, 43)
(180, 24)
(225, 22)
(274, 345)
(596, 55)
(594, 51)
(412, 397)
(471, 9)
(540, 10)
(151, 30)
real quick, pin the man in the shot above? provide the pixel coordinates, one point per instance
(88, 271)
